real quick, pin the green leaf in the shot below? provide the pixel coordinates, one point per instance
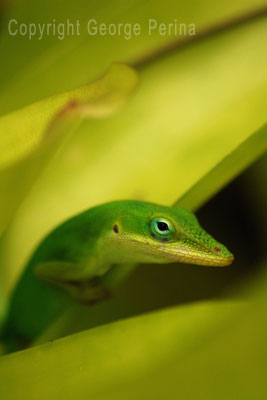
(34, 134)
(225, 170)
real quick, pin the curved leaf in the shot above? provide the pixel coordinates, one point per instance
(34, 134)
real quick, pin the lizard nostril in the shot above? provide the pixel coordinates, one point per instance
(217, 249)
(116, 228)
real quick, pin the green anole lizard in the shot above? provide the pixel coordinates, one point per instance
(76, 256)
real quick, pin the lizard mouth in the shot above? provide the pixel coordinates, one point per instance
(186, 251)
(194, 253)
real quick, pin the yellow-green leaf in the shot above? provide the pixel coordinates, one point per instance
(31, 136)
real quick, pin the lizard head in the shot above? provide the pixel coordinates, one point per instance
(146, 232)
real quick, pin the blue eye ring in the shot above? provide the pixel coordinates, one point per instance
(161, 229)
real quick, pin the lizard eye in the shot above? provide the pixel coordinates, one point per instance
(161, 229)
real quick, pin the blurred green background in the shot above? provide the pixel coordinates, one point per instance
(191, 131)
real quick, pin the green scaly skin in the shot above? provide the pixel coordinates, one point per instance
(80, 252)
